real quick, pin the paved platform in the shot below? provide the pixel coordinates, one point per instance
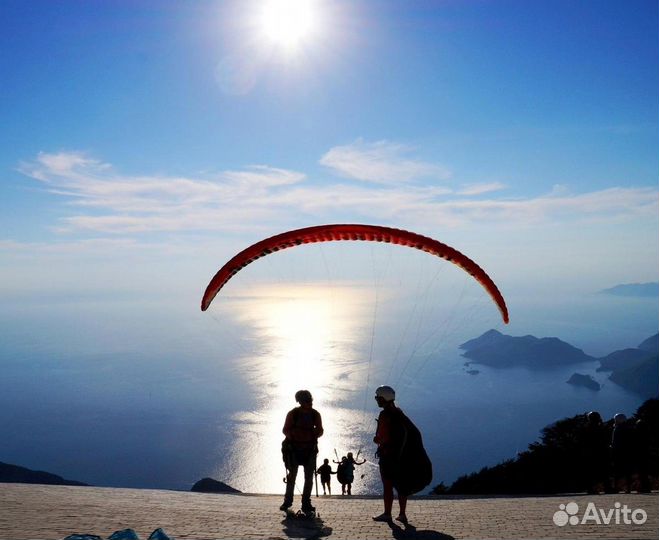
(53, 512)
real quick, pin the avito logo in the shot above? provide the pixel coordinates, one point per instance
(620, 514)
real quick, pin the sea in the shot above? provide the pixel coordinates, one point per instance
(145, 392)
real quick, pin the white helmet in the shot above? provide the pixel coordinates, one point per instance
(619, 418)
(385, 392)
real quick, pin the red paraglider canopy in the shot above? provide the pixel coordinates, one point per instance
(368, 233)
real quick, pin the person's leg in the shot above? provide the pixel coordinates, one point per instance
(628, 475)
(387, 495)
(642, 468)
(402, 501)
(290, 484)
(309, 468)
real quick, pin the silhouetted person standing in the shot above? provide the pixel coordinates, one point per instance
(595, 442)
(389, 438)
(325, 471)
(351, 463)
(302, 428)
(642, 455)
(342, 473)
(404, 463)
(621, 452)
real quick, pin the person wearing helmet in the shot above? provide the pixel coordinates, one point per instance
(594, 453)
(642, 454)
(351, 463)
(388, 437)
(621, 452)
(302, 428)
(341, 473)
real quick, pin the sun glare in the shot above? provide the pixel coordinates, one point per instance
(287, 23)
(308, 337)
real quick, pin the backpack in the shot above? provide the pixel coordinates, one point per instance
(341, 473)
(413, 470)
(289, 450)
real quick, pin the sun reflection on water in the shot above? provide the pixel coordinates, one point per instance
(307, 337)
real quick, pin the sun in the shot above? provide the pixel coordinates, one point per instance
(288, 23)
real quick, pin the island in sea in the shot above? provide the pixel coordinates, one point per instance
(637, 290)
(587, 381)
(210, 485)
(634, 368)
(500, 350)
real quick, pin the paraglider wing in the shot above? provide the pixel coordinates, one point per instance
(369, 233)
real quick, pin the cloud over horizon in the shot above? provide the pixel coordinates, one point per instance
(261, 197)
(380, 162)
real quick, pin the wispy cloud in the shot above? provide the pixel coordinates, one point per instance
(116, 203)
(479, 189)
(603, 205)
(72, 247)
(262, 197)
(259, 176)
(437, 207)
(380, 162)
(68, 166)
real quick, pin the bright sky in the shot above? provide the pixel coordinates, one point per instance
(140, 133)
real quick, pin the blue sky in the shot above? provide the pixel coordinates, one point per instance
(156, 133)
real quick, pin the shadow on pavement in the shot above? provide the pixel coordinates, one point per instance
(410, 532)
(295, 527)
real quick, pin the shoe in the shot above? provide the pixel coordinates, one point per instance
(307, 509)
(402, 519)
(383, 517)
(284, 507)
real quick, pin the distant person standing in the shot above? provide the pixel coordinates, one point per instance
(302, 428)
(621, 452)
(595, 456)
(404, 464)
(351, 463)
(325, 471)
(342, 473)
(642, 455)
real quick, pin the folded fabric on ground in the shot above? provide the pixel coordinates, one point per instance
(125, 534)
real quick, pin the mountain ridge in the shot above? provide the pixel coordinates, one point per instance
(638, 290)
(22, 475)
